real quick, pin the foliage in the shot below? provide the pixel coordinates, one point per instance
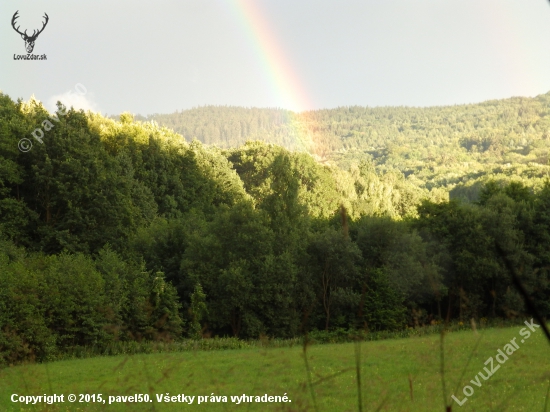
(198, 311)
(120, 232)
(52, 303)
(447, 147)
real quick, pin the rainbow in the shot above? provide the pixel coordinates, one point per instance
(286, 86)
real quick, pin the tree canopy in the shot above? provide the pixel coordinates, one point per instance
(124, 230)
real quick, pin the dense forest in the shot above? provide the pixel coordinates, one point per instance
(124, 230)
(458, 148)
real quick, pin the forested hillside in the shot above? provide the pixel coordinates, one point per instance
(124, 231)
(450, 147)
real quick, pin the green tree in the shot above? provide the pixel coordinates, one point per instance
(198, 311)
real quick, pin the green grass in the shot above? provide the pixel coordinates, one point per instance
(387, 368)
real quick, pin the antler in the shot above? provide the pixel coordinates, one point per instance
(15, 16)
(42, 29)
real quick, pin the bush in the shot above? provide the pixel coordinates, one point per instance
(52, 304)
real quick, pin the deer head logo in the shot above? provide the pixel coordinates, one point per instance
(29, 40)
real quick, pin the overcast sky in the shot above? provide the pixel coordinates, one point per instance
(163, 56)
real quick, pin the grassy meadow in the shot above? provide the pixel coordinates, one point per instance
(396, 375)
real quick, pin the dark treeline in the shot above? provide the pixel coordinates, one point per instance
(122, 230)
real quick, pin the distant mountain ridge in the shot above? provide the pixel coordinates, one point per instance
(231, 126)
(442, 146)
(365, 128)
